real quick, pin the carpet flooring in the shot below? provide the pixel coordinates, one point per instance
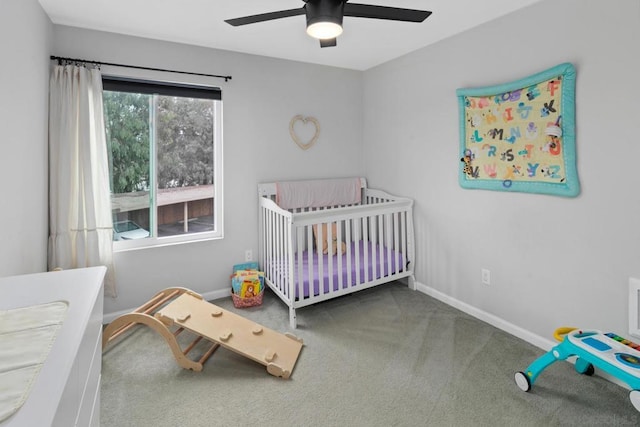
(387, 356)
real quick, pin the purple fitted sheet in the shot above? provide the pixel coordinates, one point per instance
(377, 267)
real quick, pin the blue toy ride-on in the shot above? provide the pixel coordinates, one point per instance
(613, 354)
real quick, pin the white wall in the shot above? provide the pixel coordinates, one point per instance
(258, 103)
(554, 261)
(25, 33)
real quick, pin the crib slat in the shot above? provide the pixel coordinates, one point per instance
(403, 239)
(380, 240)
(329, 257)
(320, 271)
(272, 250)
(348, 239)
(387, 245)
(367, 246)
(339, 253)
(267, 243)
(268, 252)
(358, 238)
(278, 249)
(282, 247)
(300, 250)
(277, 253)
(287, 246)
(310, 262)
(396, 218)
(289, 278)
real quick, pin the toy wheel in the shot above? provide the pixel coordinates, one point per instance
(590, 370)
(583, 367)
(522, 380)
(634, 396)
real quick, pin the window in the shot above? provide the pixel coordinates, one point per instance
(165, 146)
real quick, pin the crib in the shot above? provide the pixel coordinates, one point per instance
(369, 243)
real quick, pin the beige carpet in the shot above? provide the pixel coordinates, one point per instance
(387, 356)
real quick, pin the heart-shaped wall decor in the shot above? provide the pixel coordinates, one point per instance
(304, 121)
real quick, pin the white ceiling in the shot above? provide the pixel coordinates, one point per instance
(364, 43)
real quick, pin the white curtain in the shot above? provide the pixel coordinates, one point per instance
(80, 223)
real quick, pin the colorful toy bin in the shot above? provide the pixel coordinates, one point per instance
(247, 285)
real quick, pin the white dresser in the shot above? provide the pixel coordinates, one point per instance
(66, 391)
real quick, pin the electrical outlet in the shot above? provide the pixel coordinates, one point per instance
(248, 255)
(486, 276)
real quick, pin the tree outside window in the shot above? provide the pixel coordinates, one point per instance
(164, 151)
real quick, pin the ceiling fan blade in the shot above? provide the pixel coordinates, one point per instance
(265, 17)
(385, 12)
(328, 42)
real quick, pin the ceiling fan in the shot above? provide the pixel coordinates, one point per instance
(324, 17)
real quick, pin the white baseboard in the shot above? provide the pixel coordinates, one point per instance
(499, 323)
(209, 296)
(502, 324)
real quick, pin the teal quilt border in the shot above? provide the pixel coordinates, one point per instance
(570, 187)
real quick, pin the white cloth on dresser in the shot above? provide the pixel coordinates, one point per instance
(318, 193)
(26, 336)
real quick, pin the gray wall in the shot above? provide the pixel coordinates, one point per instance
(554, 261)
(25, 32)
(258, 104)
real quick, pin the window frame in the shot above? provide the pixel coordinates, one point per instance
(148, 84)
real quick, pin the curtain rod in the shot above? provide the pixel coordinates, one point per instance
(59, 58)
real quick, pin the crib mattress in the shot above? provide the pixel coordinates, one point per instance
(375, 266)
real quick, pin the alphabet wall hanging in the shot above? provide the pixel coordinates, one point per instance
(520, 136)
(304, 121)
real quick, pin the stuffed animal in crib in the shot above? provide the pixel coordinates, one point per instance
(327, 248)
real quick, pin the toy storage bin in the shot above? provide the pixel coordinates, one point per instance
(240, 302)
(244, 302)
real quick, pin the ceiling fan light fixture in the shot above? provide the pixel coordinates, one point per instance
(324, 30)
(324, 17)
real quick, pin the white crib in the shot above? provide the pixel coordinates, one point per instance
(378, 246)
